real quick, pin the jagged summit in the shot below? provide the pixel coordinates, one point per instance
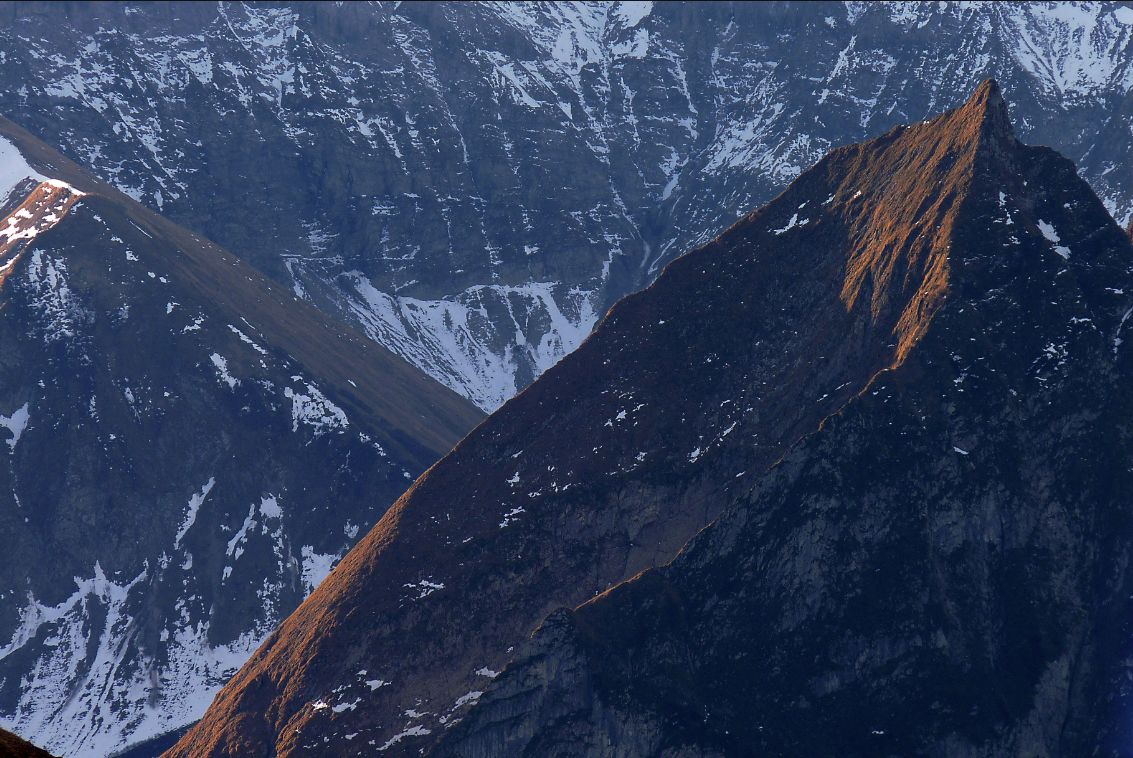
(988, 100)
(894, 201)
(984, 116)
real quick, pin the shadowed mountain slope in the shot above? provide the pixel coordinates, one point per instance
(941, 567)
(685, 395)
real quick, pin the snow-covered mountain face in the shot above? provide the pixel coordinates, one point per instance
(474, 184)
(185, 452)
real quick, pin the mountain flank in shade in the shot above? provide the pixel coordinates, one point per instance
(942, 566)
(688, 400)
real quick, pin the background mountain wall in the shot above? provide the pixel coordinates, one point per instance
(475, 184)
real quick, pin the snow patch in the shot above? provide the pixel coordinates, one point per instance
(316, 566)
(314, 410)
(221, 365)
(243, 338)
(59, 310)
(1052, 237)
(632, 12)
(235, 547)
(470, 697)
(191, 514)
(64, 701)
(425, 587)
(15, 170)
(454, 341)
(793, 223)
(343, 707)
(510, 516)
(413, 731)
(16, 423)
(1117, 340)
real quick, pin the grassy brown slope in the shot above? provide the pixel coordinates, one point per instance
(12, 746)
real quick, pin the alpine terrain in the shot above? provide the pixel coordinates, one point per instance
(889, 411)
(474, 184)
(187, 450)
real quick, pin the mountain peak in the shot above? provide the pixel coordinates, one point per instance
(988, 102)
(800, 305)
(912, 513)
(983, 120)
(988, 108)
(874, 266)
(899, 196)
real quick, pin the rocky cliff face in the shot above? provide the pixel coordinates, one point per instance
(941, 567)
(881, 267)
(474, 184)
(187, 451)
